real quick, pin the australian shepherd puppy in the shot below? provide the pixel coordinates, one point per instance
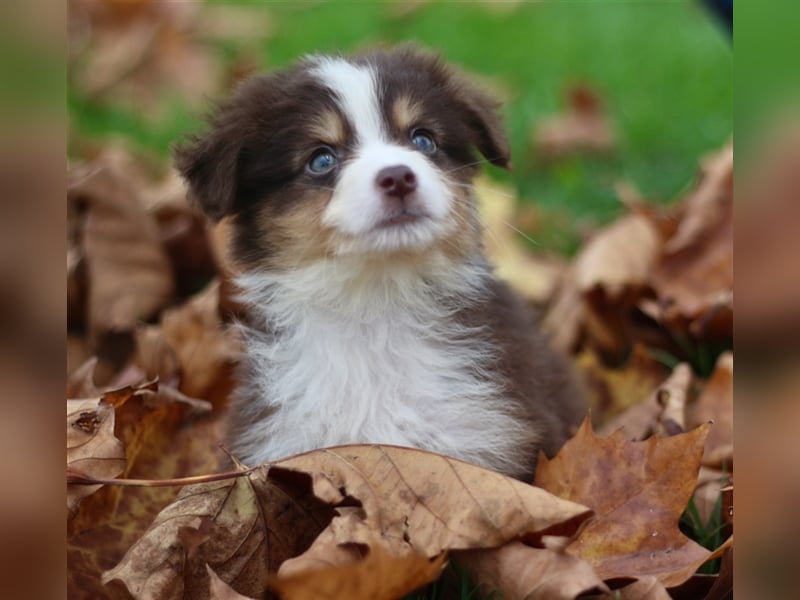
(374, 315)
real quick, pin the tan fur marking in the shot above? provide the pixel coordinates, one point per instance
(328, 127)
(405, 113)
(298, 235)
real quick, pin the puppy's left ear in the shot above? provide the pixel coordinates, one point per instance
(483, 121)
(209, 162)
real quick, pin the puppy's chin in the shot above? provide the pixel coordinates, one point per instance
(402, 233)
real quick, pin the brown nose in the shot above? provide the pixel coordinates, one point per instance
(397, 181)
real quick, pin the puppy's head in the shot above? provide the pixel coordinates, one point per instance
(333, 156)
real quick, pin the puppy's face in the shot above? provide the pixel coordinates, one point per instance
(371, 156)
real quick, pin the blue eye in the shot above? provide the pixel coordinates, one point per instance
(322, 161)
(423, 140)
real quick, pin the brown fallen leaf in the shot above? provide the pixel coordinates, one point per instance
(651, 415)
(608, 278)
(716, 405)
(693, 276)
(614, 390)
(254, 526)
(163, 438)
(518, 572)
(638, 491)
(379, 576)
(138, 57)
(219, 590)
(91, 446)
(429, 503)
(326, 552)
(416, 501)
(583, 127)
(128, 275)
(644, 588)
(206, 349)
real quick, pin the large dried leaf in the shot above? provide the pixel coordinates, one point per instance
(91, 446)
(693, 277)
(129, 276)
(638, 491)
(415, 502)
(521, 572)
(242, 528)
(379, 576)
(430, 503)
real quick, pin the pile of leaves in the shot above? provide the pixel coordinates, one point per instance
(156, 508)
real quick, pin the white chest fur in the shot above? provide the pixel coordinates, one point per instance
(373, 358)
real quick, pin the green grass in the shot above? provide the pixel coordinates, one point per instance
(663, 68)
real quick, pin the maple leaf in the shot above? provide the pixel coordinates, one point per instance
(638, 491)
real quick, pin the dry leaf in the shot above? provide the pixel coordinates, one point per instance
(639, 491)
(254, 526)
(129, 276)
(91, 446)
(161, 441)
(693, 277)
(648, 416)
(583, 127)
(430, 503)
(138, 57)
(327, 552)
(419, 503)
(607, 279)
(207, 351)
(716, 405)
(644, 588)
(521, 572)
(219, 590)
(614, 390)
(379, 576)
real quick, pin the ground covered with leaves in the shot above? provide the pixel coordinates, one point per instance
(638, 504)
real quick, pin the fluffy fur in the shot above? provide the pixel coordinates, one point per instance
(374, 316)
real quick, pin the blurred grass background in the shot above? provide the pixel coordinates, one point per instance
(662, 69)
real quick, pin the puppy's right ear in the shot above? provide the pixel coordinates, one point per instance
(209, 164)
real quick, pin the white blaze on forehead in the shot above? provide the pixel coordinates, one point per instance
(357, 93)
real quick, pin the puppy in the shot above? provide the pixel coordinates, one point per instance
(374, 315)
